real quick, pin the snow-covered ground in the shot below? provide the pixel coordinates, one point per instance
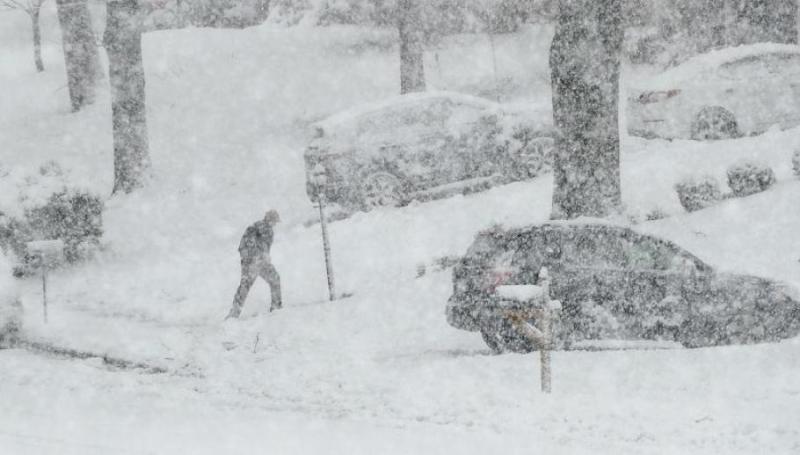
(381, 371)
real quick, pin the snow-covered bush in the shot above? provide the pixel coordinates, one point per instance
(74, 216)
(656, 213)
(698, 193)
(796, 163)
(10, 308)
(292, 12)
(749, 177)
(44, 205)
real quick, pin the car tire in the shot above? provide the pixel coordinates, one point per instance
(714, 123)
(503, 337)
(493, 341)
(381, 189)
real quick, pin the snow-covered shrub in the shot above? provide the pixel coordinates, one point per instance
(291, 12)
(749, 177)
(796, 163)
(74, 216)
(656, 214)
(698, 193)
(44, 205)
(10, 308)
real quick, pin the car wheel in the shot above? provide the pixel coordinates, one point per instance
(503, 337)
(713, 123)
(380, 189)
(493, 341)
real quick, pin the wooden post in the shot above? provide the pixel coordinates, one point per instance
(547, 332)
(326, 248)
(533, 302)
(44, 291)
(48, 253)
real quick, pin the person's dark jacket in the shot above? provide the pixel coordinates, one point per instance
(256, 241)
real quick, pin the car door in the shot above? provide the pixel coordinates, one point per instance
(591, 281)
(654, 307)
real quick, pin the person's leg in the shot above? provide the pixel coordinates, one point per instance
(270, 275)
(245, 283)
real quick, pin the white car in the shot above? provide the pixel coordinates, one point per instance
(722, 94)
(422, 144)
(10, 308)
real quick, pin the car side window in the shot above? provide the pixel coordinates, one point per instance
(648, 254)
(787, 65)
(594, 248)
(747, 68)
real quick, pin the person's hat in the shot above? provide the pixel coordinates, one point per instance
(272, 216)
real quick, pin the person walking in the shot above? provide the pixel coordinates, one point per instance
(254, 252)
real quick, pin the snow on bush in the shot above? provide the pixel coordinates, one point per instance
(750, 177)
(45, 205)
(796, 162)
(10, 309)
(697, 193)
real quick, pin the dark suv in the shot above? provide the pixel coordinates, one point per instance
(615, 283)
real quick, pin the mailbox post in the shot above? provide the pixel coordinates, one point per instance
(46, 254)
(319, 179)
(523, 303)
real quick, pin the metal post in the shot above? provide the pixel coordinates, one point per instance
(326, 248)
(44, 291)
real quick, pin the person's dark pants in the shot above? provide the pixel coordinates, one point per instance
(252, 269)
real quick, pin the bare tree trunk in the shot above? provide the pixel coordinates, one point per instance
(80, 51)
(262, 10)
(412, 66)
(585, 67)
(37, 38)
(123, 42)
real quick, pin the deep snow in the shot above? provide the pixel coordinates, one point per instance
(381, 371)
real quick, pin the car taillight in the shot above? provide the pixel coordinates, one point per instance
(655, 97)
(497, 276)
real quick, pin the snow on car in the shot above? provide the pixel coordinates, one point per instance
(409, 146)
(615, 283)
(722, 94)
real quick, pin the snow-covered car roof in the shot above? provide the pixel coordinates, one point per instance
(704, 63)
(344, 118)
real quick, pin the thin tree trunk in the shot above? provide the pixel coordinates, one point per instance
(412, 66)
(585, 67)
(37, 39)
(80, 51)
(123, 42)
(262, 10)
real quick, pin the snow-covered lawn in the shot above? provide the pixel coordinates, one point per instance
(381, 371)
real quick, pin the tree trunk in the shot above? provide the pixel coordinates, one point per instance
(412, 66)
(37, 38)
(80, 51)
(123, 42)
(262, 10)
(585, 67)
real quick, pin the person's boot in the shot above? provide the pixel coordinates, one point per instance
(275, 305)
(234, 313)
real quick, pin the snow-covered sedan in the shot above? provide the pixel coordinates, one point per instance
(722, 94)
(415, 145)
(616, 284)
